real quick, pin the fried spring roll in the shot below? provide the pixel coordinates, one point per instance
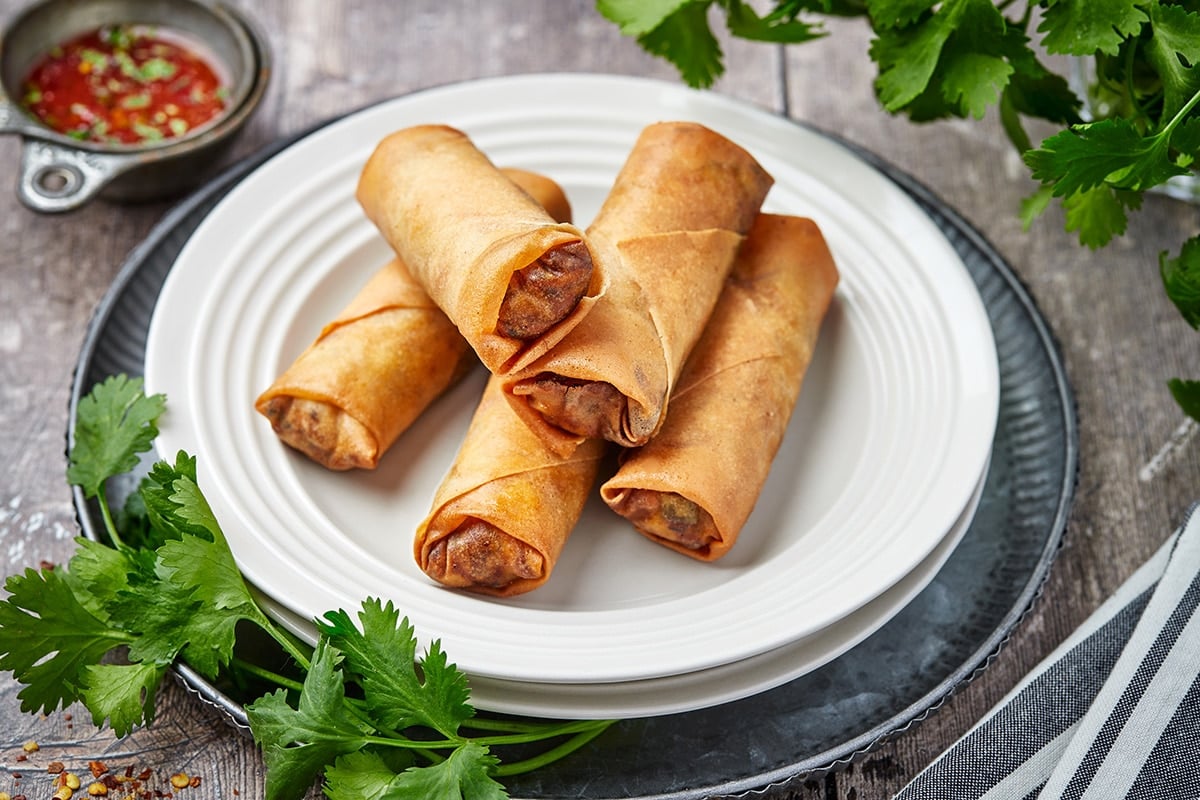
(372, 370)
(667, 235)
(505, 509)
(512, 279)
(693, 486)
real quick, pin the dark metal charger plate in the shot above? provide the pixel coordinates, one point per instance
(819, 722)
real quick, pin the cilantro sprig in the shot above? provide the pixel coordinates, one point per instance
(363, 710)
(959, 58)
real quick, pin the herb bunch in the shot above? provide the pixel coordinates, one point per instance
(362, 708)
(958, 58)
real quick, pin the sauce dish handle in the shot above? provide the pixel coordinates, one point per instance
(56, 179)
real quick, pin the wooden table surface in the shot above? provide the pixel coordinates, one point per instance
(1119, 335)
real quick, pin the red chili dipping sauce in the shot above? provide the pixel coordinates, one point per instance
(127, 84)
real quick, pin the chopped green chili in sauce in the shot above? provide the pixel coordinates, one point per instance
(128, 84)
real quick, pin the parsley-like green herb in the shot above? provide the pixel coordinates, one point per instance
(958, 58)
(371, 716)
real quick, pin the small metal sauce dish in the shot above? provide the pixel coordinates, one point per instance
(60, 173)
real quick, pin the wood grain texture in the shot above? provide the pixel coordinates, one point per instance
(1120, 337)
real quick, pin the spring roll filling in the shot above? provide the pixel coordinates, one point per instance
(545, 292)
(593, 409)
(321, 431)
(671, 516)
(479, 554)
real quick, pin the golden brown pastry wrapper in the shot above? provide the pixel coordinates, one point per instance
(469, 235)
(504, 511)
(376, 367)
(693, 486)
(666, 235)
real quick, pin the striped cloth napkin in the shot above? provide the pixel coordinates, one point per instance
(1114, 712)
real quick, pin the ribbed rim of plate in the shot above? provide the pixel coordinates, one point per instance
(935, 313)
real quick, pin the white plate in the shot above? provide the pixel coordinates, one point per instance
(689, 691)
(889, 439)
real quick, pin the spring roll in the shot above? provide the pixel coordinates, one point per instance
(501, 516)
(511, 278)
(667, 235)
(376, 367)
(693, 486)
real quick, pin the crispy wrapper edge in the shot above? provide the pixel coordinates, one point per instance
(504, 476)
(357, 376)
(683, 188)
(735, 399)
(464, 230)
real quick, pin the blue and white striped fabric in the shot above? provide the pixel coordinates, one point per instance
(1114, 712)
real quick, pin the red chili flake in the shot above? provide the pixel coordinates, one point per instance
(194, 782)
(97, 768)
(145, 774)
(55, 767)
(47, 565)
(22, 757)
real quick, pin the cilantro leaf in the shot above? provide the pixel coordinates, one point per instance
(676, 30)
(679, 30)
(953, 61)
(189, 601)
(362, 775)
(1111, 150)
(685, 39)
(1185, 141)
(637, 17)
(1083, 27)
(465, 775)
(744, 23)
(1181, 278)
(898, 13)
(1098, 214)
(170, 620)
(973, 82)
(383, 654)
(1187, 395)
(115, 422)
(121, 693)
(1034, 205)
(205, 563)
(907, 60)
(48, 638)
(297, 743)
(162, 511)
(1034, 89)
(788, 9)
(1176, 40)
(133, 521)
(97, 574)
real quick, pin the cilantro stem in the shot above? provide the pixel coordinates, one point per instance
(414, 744)
(110, 524)
(551, 755)
(589, 728)
(509, 725)
(1183, 112)
(282, 637)
(266, 674)
(547, 732)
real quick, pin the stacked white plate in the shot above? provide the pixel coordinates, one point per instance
(875, 483)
